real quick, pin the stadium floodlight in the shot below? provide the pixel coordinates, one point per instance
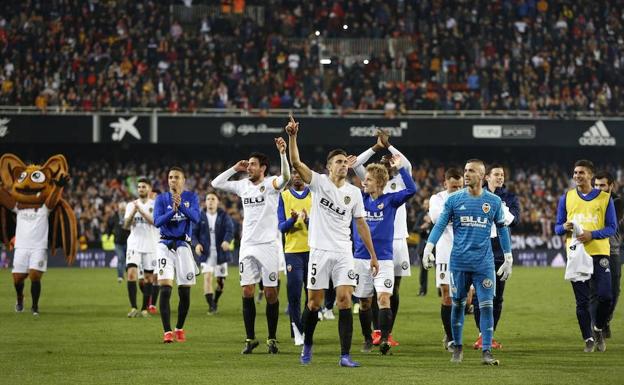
(317, 33)
(345, 27)
(325, 61)
(365, 61)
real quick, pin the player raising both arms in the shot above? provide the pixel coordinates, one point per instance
(259, 258)
(400, 254)
(380, 211)
(335, 203)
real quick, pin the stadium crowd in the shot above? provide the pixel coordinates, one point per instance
(97, 188)
(554, 57)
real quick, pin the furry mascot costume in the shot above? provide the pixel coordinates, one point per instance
(33, 211)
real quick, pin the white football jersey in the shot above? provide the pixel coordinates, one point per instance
(212, 220)
(332, 212)
(31, 228)
(259, 209)
(445, 243)
(396, 184)
(141, 236)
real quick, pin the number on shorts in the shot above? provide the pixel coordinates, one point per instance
(163, 262)
(357, 279)
(313, 271)
(240, 267)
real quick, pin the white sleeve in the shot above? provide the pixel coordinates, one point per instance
(221, 182)
(358, 207)
(360, 171)
(404, 161)
(435, 208)
(282, 180)
(129, 209)
(363, 157)
(315, 181)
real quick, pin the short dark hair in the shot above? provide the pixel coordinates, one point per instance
(213, 192)
(453, 172)
(492, 167)
(585, 163)
(262, 159)
(176, 168)
(334, 152)
(605, 175)
(144, 180)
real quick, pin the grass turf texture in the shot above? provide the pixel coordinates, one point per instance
(83, 336)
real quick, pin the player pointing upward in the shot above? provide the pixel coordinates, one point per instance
(335, 203)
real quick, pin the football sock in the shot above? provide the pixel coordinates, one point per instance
(210, 299)
(394, 306)
(366, 318)
(375, 311)
(445, 313)
(272, 315)
(385, 320)
(310, 319)
(486, 324)
(132, 292)
(249, 317)
(457, 320)
(183, 307)
(217, 296)
(147, 292)
(155, 292)
(35, 291)
(345, 330)
(165, 310)
(19, 290)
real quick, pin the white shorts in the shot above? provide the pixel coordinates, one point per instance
(324, 264)
(382, 283)
(443, 275)
(30, 259)
(144, 261)
(259, 262)
(210, 266)
(177, 263)
(400, 257)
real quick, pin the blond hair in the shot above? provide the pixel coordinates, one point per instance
(379, 173)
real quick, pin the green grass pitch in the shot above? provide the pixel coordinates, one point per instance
(84, 337)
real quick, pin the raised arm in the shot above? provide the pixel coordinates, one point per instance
(292, 128)
(221, 182)
(400, 197)
(284, 177)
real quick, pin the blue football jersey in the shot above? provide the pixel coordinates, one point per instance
(380, 214)
(472, 218)
(176, 226)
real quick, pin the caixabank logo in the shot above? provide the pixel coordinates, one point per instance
(597, 135)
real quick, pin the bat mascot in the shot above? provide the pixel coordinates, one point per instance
(34, 214)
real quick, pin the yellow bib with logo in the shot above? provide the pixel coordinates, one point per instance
(591, 216)
(297, 237)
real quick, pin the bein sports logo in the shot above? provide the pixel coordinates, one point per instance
(597, 135)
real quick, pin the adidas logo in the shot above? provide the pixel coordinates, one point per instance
(462, 207)
(597, 135)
